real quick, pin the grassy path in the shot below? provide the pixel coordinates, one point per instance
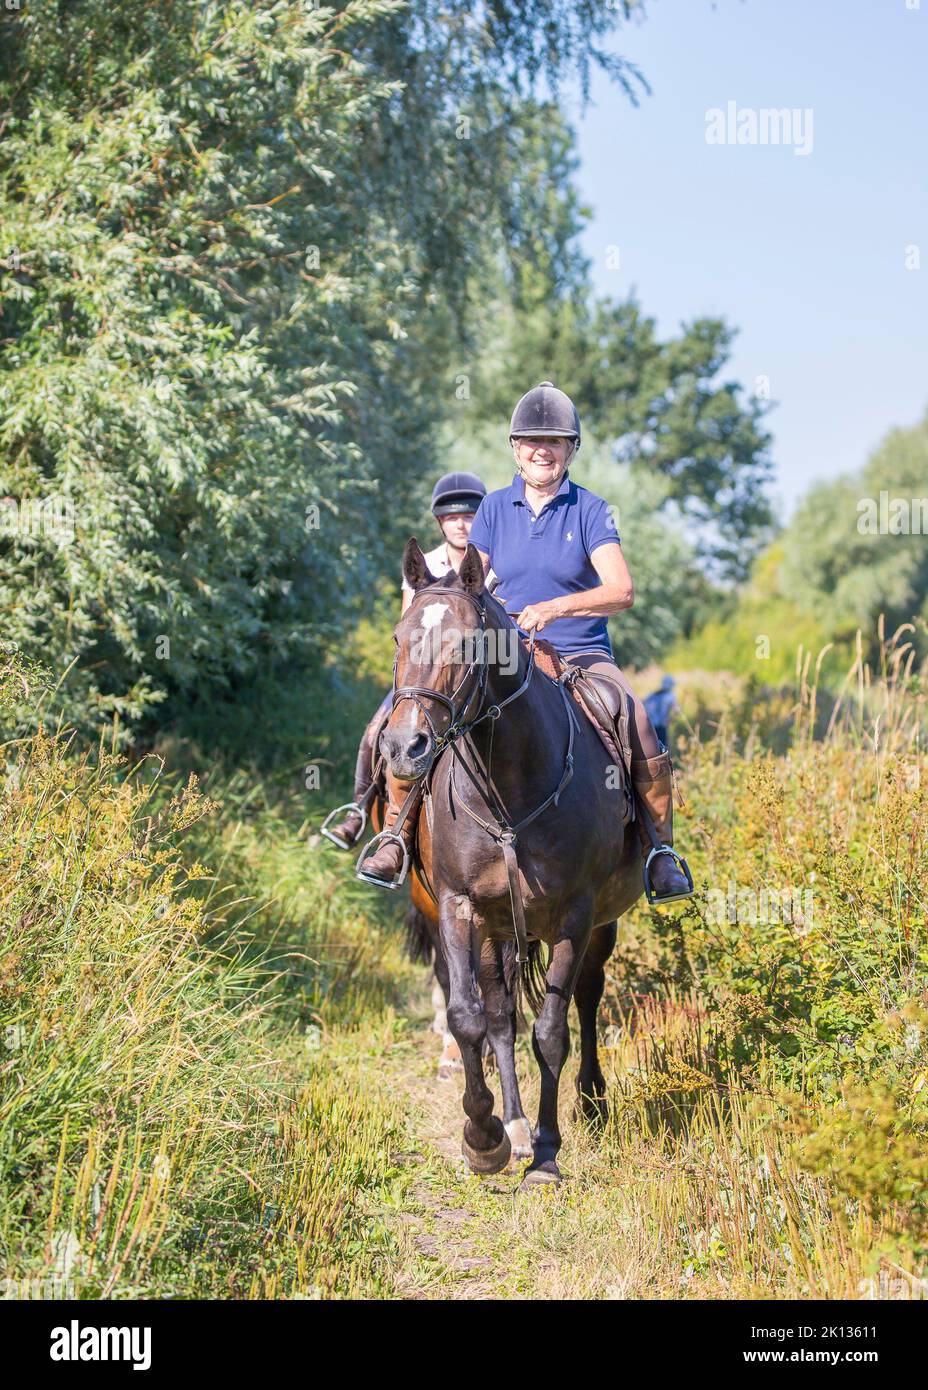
(450, 1234)
(718, 1211)
(457, 1236)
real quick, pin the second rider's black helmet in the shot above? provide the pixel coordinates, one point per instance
(457, 492)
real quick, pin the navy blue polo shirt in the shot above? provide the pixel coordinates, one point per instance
(544, 556)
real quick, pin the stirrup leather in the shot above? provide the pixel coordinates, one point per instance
(400, 877)
(349, 806)
(681, 864)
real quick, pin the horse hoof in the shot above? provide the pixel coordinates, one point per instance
(520, 1137)
(485, 1161)
(447, 1071)
(545, 1174)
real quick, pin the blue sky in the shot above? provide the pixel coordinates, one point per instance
(805, 254)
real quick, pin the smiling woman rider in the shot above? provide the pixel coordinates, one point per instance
(561, 569)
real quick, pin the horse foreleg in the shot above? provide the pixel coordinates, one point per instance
(486, 1144)
(500, 1005)
(591, 981)
(551, 1044)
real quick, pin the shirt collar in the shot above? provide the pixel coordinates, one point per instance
(517, 491)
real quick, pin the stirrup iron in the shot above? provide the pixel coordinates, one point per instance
(681, 864)
(400, 878)
(348, 806)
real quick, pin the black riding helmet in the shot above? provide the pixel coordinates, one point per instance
(457, 492)
(545, 410)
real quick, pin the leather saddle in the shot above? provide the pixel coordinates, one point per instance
(605, 703)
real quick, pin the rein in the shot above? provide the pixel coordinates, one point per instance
(500, 827)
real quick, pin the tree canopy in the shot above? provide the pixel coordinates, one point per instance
(856, 546)
(241, 246)
(853, 551)
(251, 251)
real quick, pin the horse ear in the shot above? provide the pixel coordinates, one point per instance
(471, 572)
(415, 571)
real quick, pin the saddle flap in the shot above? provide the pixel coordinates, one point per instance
(605, 704)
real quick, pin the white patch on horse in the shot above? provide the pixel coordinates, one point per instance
(520, 1137)
(432, 615)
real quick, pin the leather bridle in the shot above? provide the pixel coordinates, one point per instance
(418, 693)
(458, 726)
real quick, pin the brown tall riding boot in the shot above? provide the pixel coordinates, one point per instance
(387, 865)
(653, 782)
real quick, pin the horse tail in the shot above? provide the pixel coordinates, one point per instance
(420, 946)
(528, 982)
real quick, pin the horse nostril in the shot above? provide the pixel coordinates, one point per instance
(417, 745)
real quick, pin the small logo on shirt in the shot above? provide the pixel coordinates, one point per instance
(570, 535)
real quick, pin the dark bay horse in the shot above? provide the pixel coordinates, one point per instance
(505, 760)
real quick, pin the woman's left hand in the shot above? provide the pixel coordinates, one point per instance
(536, 616)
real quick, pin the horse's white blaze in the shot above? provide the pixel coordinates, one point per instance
(432, 615)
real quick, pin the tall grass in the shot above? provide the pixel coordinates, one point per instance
(205, 1085)
(774, 1032)
(167, 1125)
